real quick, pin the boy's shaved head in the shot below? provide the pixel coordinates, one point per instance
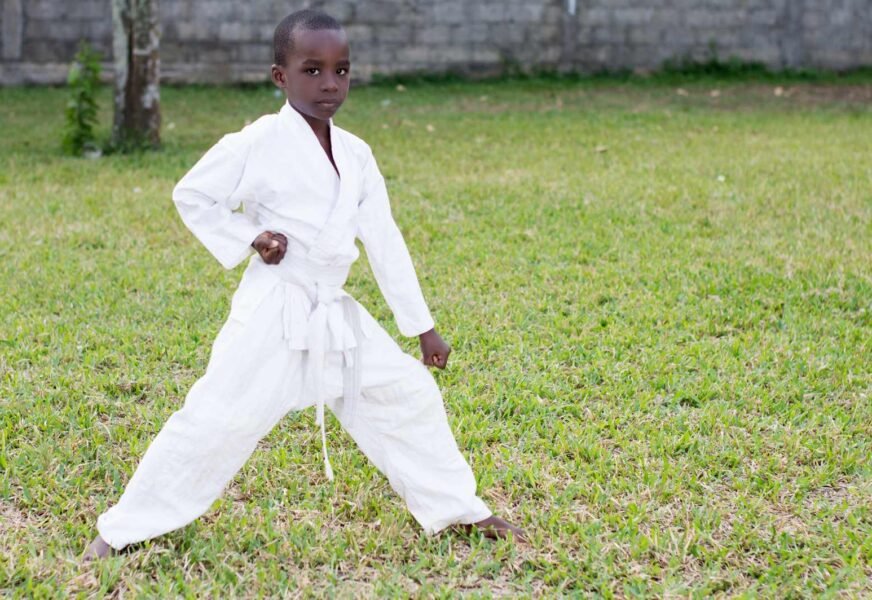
(312, 20)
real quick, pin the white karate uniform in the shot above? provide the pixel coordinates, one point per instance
(294, 338)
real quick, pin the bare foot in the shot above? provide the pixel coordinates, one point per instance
(498, 529)
(96, 550)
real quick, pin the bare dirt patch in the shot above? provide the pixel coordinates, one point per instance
(813, 94)
(11, 519)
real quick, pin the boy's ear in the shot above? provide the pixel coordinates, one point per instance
(278, 76)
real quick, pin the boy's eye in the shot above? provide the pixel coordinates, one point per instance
(313, 70)
(342, 71)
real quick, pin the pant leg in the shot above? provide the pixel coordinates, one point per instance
(251, 381)
(401, 426)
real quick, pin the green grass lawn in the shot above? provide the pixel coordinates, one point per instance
(660, 304)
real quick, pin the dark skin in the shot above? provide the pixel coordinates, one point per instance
(315, 81)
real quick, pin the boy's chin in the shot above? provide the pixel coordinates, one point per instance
(320, 110)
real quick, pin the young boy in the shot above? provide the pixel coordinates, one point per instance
(294, 338)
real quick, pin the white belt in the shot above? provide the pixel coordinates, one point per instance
(323, 286)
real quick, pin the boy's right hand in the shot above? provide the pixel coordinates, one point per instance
(271, 247)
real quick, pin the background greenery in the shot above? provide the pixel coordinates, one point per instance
(660, 300)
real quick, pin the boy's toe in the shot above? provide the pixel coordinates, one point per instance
(96, 550)
(496, 528)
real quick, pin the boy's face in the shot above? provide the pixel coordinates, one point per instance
(316, 76)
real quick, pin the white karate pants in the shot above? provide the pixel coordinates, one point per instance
(253, 379)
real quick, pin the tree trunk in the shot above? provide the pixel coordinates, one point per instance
(135, 42)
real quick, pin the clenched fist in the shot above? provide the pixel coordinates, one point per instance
(271, 247)
(434, 349)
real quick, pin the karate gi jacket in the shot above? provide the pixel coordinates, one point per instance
(276, 171)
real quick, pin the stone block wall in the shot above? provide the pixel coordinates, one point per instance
(230, 41)
(819, 34)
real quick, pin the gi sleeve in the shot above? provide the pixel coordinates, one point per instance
(206, 198)
(389, 256)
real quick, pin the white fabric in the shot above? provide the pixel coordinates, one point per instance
(252, 380)
(294, 338)
(323, 285)
(276, 169)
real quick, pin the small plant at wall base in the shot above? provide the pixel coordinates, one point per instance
(81, 112)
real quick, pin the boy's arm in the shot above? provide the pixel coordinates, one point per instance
(393, 268)
(206, 202)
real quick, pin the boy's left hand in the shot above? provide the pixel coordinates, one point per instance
(434, 350)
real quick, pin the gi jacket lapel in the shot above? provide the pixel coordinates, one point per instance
(336, 229)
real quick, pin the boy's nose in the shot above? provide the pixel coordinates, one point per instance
(329, 84)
